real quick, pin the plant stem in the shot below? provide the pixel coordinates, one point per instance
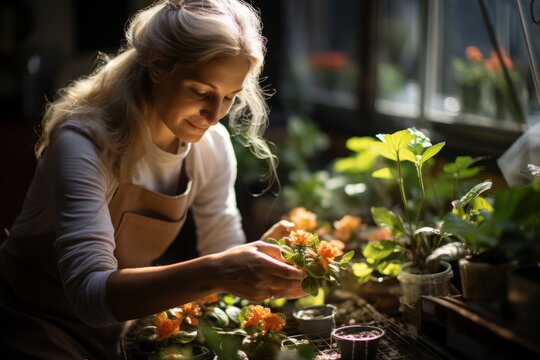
(403, 195)
(422, 191)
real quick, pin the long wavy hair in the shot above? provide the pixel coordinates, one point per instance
(114, 102)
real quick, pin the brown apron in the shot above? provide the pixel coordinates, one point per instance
(36, 320)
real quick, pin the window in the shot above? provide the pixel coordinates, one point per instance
(435, 66)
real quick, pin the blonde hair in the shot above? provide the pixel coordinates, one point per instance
(114, 102)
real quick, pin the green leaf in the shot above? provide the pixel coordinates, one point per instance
(358, 144)
(380, 249)
(384, 173)
(451, 251)
(431, 152)
(232, 312)
(315, 270)
(186, 336)
(221, 318)
(472, 194)
(386, 218)
(407, 155)
(390, 268)
(346, 257)
(272, 241)
(361, 270)
(310, 285)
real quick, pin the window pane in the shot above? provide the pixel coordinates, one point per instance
(466, 82)
(398, 58)
(322, 38)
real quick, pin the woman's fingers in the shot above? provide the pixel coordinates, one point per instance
(278, 230)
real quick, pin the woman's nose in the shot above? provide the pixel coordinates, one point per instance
(212, 111)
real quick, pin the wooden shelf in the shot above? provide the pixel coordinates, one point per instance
(477, 331)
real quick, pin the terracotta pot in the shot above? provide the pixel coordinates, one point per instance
(482, 281)
(318, 320)
(358, 342)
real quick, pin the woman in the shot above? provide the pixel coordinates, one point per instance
(122, 155)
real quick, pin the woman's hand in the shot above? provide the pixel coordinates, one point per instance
(278, 230)
(256, 271)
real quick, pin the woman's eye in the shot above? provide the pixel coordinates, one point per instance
(229, 99)
(200, 94)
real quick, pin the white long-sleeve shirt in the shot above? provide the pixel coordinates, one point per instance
(71, 190)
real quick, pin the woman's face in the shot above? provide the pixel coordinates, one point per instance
(187, 103)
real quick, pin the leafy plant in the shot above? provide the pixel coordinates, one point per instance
(509, 230)
(414, 238)
(316, 257)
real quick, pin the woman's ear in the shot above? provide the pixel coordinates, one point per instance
(155, 67)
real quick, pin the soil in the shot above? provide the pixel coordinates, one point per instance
(311, 315)
(362, 335)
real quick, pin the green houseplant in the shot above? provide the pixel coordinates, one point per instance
(416, 234)
(498, 238)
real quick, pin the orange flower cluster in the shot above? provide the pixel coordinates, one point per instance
(189, 312)
(346, 226)
(302, 219)
(300, 237)
(343, 229)
(327, 252)
(168, 327)
(165, 327)
(263, 316)
(380, 233)
(492, 63)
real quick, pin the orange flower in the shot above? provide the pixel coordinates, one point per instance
(190, 311)
(327, 251)
(210, 299)
(257, 314)
(272, 322)
(344, 227)
(302, 219)
(474, 54)
(165, 328)
(493, 64)
(380, 233)
(336, 60)
(299, 237)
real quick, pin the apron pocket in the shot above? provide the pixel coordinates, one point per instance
(141, 239)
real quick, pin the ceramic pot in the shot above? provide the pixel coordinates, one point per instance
(413, 286)
(358, 342)
(482, 281)
(318, 320)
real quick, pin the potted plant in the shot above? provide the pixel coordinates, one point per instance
(168, 334)
(496, 240)
(415, 236)
(358, 342)
(318, 258)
